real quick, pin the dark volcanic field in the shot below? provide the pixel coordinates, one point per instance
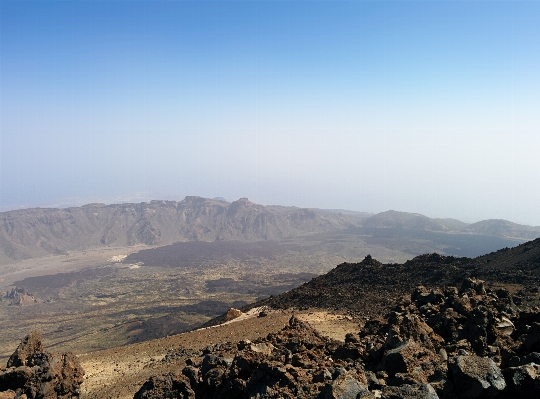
(411, 241)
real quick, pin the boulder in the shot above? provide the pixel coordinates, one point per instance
(410, 363)
(505, 326)
(15, 378)
(417, 391)
(262, 347)
(165, 386)
(476, 376)
(399, 359)
(411, 326)
(524, 380)
(422, 296)
(233, 314)
(477, 286)
(192, 375)
(346, 386)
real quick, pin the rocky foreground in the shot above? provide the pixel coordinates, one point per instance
(32, 373)
(471, 342)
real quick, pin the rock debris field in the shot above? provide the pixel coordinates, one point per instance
(471, 342)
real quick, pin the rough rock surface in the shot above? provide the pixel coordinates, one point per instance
(30, 344)
(40, 375)
(165, 386)
(474, 376)
(448, 343)
(233, 314)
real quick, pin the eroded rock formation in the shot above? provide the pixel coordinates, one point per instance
(34, 374)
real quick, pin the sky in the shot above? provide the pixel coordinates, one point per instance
(418, 106)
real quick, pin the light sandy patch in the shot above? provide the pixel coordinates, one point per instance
(54, 264)
(247, 315)
(117, 258)
(328, 324)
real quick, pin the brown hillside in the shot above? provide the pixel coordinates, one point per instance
(37, 232)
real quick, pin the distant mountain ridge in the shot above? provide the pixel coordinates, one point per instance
(503, 228)
(36, 232)
(395, 219)
(492, 227)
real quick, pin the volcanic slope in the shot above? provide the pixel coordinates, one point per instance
(367, 291)
(445, 343)
(368, 287)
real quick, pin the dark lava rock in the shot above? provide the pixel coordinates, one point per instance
(30, 344)
(41, 375)
(524, 380)
(419, 391)
(165, 386)
(438, 343)
(347, 386)
(476, 377)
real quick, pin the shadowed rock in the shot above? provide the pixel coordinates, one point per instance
(525, 380)
(30, 344)
(165, 386)
(418, 391)
(40, 375)
(476, 377)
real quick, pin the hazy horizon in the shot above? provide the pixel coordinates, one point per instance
(416, 106)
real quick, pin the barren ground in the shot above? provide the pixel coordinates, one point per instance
(54, 264)
(109, 297)
(120, 372)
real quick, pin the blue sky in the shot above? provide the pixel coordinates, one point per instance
(426, 106)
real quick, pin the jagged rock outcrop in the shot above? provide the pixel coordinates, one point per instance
(19, 297)
(40, 375)
(368, 288)
(447, 343)
(30, 344)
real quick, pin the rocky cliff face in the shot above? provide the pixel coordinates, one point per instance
(449, 343)
(38, 232)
